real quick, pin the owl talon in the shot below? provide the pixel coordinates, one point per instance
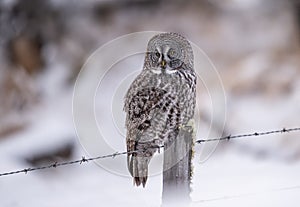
(181, 126)
(189, 127)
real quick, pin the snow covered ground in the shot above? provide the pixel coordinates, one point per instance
(229, 178)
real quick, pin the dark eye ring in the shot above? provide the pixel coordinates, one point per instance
(157, 54)
(172, 54)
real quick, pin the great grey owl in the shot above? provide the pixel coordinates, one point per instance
(160, 100)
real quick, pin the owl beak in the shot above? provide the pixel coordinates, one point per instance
(163, 63)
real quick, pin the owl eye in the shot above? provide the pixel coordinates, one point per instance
(157, 53)
(171, 53)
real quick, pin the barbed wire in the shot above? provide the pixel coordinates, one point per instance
(254, 134)
(84, 159)
(56, 164)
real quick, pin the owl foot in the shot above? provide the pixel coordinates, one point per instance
(189, 127)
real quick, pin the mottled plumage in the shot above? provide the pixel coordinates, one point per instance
(159, 101)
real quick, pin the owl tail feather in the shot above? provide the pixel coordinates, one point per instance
(138, 168)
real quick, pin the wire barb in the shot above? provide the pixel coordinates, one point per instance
(54, 165)
(115, 154)
(84, 159)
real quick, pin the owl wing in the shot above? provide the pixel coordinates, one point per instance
(140, 107)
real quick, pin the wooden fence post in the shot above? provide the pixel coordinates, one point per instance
(177, 169)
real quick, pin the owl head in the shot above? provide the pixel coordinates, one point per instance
(167, 53)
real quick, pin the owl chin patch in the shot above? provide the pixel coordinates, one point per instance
(156, 71)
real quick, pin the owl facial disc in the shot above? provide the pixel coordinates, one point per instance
(164, 61)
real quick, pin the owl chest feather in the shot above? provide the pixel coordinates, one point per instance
(158, 104)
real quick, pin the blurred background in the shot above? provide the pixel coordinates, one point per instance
(254, 45)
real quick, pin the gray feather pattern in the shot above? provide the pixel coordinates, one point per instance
(158, 103)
